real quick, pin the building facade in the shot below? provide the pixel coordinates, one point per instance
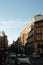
(38, 34)
(24, 35)
(3, 41)
(33, 35)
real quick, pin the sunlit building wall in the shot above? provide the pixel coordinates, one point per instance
(33, 34)
(24, 35)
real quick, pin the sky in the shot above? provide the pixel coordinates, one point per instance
(16, 14)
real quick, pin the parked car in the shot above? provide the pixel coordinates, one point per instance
(35, 59)
(23, 59)
(35, 55)
(12, 54)
(11, 59)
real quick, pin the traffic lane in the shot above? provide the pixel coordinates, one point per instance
(23, 64)
(37, 64)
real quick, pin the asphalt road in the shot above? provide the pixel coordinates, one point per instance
(24, 64)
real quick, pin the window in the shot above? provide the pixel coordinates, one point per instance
(38, 24)
(38, 38)
(38, 31)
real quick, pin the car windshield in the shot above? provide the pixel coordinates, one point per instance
(22, 56)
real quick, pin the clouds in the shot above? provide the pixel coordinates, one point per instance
(15, 24)
(6, 24)
(13, 27)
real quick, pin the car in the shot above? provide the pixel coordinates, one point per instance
(12, 54)
(23, 59)
(36, 60)
(11, 59)
(35, 55)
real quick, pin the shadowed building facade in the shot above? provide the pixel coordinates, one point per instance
(3, 41)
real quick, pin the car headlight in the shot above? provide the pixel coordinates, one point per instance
(18, 63)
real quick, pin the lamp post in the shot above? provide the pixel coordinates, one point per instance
(23, 43)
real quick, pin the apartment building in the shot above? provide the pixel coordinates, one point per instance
(3, 41)
(38, 34)
(33, 35)
(35, 38)
(24, 35)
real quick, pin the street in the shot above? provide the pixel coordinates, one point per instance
(33, 62)
(14, 61)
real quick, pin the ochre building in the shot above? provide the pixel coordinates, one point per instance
(33, 34)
